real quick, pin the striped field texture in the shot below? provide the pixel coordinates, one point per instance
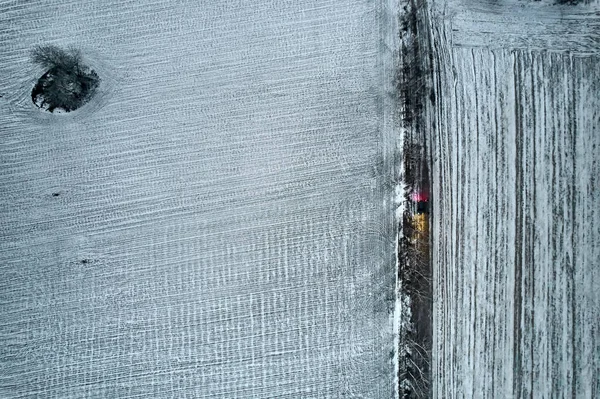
(218, 221)
(515, 144)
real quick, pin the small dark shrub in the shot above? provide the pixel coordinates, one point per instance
(67, 84)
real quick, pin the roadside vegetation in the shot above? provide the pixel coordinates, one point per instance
(414, 260)
(415, 275)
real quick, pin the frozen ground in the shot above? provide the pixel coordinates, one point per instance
(515, 143)
(218, 221)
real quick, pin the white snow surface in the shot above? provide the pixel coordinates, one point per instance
(224, 225)
(515, 141)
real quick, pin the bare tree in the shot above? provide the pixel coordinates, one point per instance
(67, 84)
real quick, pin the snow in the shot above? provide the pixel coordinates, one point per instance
(229, 189)
(514, 141)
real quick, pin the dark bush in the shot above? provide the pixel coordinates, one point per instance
(67, 84)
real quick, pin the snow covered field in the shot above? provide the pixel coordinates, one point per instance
(217, 222)
(515, 144)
